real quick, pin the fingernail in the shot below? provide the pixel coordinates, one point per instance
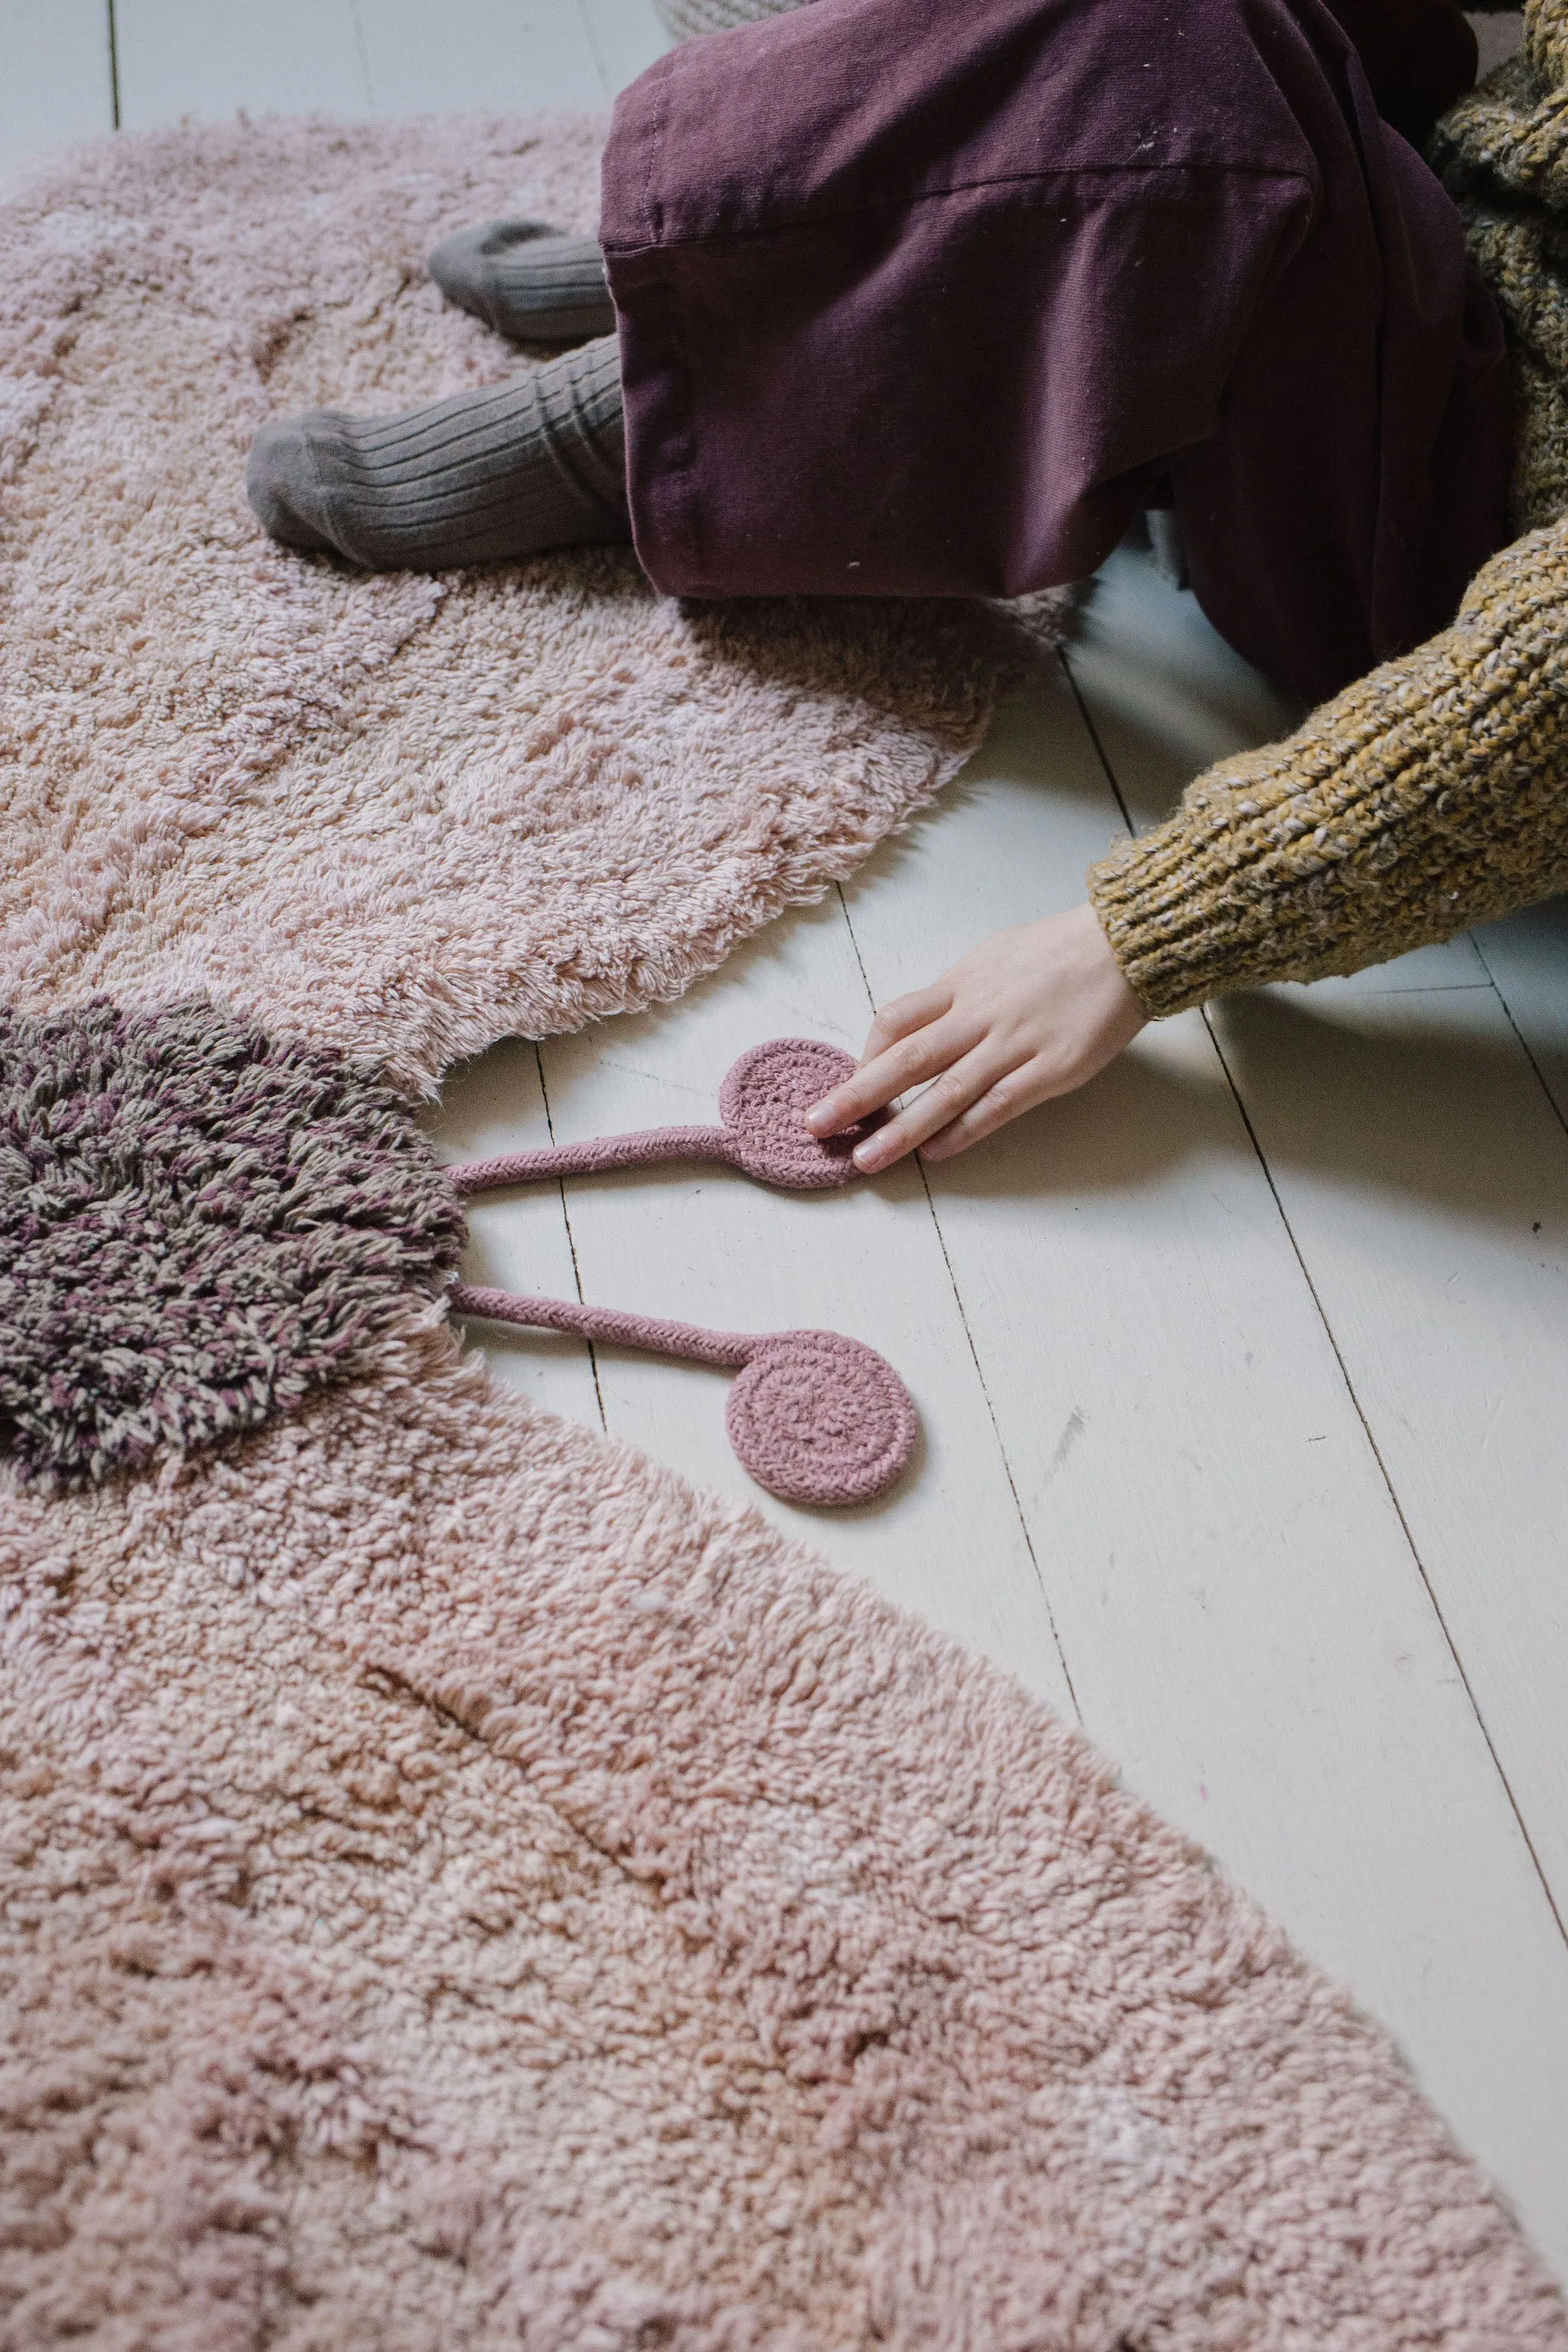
(868, 1156)
(816, 1118)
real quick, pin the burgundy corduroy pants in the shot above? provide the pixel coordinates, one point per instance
(929, 297)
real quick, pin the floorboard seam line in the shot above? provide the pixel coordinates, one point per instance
(1024, 1527)
(113, 66)
(1482, 1723)
(570, 1241)
(1557, 1111)
(1001, 1446)
(1426, 988)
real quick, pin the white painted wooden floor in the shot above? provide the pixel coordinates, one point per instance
(1243, 1373)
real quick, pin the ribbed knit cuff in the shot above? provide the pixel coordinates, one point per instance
(1177, 924)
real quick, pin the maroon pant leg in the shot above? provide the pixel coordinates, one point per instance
(923, 300)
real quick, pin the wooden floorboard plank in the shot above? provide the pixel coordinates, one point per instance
(56, 84)
(208, 58)
(1425, 1176)
(1245, 1623)
(1151, 668)
(427, 56)
(711, 1248)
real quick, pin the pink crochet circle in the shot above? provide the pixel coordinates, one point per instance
(817, 1418)
(764, 1101)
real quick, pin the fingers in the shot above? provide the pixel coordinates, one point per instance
(1039, 1079)
(944, 1102)
(908, 1063)
(991, 1110)
(906, 1013)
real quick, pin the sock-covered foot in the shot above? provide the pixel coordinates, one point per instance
(489, 476)
(527, 280)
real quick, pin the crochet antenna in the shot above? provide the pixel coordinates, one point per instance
(762, 1103)
(815, 1417)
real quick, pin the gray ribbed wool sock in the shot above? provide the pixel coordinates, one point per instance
(527, 280)
(489, 476)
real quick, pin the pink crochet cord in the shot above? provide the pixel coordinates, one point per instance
(763, 1101)
(591, 1158)
(816, 1417)
(650, 1332)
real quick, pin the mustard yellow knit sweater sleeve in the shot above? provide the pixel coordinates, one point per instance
(1432, 794)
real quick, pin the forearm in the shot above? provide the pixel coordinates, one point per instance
(1431, 794)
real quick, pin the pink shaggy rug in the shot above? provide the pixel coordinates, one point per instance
(464, 1889)
(414, 814)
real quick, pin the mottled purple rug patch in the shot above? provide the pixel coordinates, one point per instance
(198, 1226)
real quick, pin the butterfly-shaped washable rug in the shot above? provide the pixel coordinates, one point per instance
(461, 1887)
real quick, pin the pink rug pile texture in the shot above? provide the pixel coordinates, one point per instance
(460, 1888)
(414, 814)
(465, 1889)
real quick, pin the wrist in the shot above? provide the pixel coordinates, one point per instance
(1123, 1006)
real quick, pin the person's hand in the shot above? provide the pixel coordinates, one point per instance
(1027, 1015)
